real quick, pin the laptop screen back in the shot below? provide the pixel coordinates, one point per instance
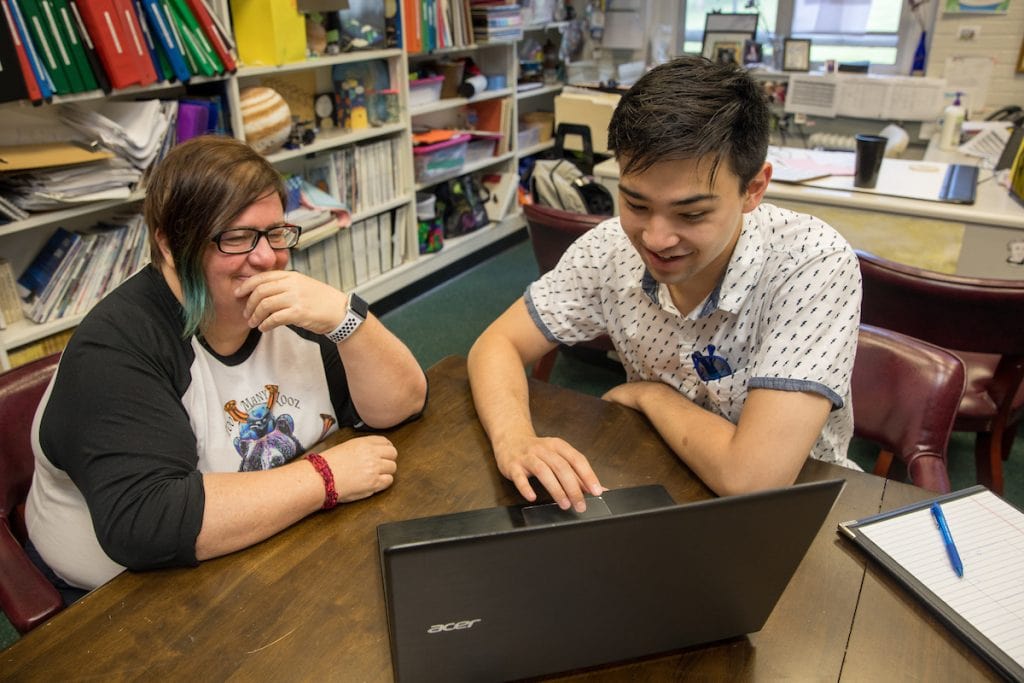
(481, 595)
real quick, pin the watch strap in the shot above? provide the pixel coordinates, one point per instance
(354, 317)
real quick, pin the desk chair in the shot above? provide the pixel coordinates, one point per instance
(26, 596)
(551, 232)
(905, 396)
(980, 321)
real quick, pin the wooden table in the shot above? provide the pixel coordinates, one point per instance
(308, 603)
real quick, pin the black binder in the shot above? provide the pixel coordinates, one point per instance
(1009, 667)
(960, 184)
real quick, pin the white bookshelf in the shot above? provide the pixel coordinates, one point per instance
(20, 240)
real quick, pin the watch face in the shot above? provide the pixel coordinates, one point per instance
(358, 306)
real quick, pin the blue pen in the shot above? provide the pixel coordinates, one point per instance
(947, 539)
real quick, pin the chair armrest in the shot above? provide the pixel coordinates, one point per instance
(26, 596)
(929, 471)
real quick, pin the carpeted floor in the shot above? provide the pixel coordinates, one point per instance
(447, 319)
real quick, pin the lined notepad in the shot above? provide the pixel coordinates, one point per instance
(987, 604)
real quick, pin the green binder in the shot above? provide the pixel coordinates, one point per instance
(76, 50)
(192, 36)
(45, 47)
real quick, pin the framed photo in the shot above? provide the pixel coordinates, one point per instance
(715, 37)
(726, 52)
(1020, 59)
(723, 22)
(753, 52)
(796, 55)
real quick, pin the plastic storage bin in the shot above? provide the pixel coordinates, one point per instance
(481, 146)
(425, 90)
(433, 161)
(528, 137)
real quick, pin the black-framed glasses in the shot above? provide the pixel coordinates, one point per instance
(244, 240)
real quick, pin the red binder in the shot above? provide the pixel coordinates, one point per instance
(28, 78)
(111, 38)
(136, 44)
(212, 34)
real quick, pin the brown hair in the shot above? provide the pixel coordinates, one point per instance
(198, 189)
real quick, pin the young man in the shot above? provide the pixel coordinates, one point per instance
(736, 321)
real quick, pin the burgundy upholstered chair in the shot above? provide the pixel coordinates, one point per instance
(905, 398)
(980, 321)
(26, 597)
(551, 233)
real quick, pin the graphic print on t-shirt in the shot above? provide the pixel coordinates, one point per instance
(266, 440)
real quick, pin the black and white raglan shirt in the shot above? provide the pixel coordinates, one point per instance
(135, 414)
(784, 316)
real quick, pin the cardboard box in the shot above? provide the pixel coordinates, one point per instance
(543, 120)
(592, 109)
(269, 32)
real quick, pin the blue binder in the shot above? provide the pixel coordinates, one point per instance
(165, 36)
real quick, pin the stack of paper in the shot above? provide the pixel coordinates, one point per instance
(135, 131)
(43, 189)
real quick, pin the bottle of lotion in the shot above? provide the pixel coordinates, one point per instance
(952, 124)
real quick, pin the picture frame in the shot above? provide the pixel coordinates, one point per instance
(796, 54)
(714, 37)
(753, 52)
(1020, 58)
(726, 52)
(726, 22)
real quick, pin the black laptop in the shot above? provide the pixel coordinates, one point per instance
(506, 593)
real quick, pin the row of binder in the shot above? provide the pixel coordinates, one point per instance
(61, 47)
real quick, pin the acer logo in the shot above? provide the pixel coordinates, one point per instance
(453, 626)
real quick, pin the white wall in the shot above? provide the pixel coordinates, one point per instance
(1000, 38)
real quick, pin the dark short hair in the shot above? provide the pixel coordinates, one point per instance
(199, 188)
(692, 108)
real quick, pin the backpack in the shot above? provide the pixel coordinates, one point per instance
(558, 183)
(461, 206)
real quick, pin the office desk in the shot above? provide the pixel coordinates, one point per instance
(950, 238)
(308, 603)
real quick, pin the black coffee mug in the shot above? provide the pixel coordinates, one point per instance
(870, 150)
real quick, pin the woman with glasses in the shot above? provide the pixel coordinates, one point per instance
(178, 424)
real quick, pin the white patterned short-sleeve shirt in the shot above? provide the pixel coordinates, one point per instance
(784, 316)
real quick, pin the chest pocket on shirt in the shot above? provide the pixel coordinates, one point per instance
(725, 396)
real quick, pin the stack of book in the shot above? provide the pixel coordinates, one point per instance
(10, 303)
(435, 24)
(41, 348)
(357, 254)
(74, 270)
(45, 189)
(62, 47)
(496, 22)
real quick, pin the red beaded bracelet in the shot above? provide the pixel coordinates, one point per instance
(321, 466)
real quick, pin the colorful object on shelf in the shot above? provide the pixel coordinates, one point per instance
(266, 119)
(425, 90)
(431, 235)
(384, 107)
(269, 32)
(352, 97)
(441, 158)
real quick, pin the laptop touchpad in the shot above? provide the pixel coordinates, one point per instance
(552, 514)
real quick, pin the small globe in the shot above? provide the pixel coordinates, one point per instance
(266, 118)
